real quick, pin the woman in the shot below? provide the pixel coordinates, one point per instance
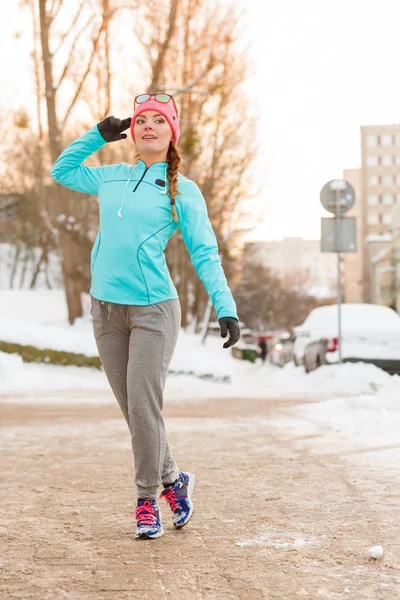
(135, 306)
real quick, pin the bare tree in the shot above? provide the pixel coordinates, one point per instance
(23, 210)
(194, 52)
(266, 302)
(81, 23)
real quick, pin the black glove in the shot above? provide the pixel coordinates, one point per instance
(229, 324)
(111, 128)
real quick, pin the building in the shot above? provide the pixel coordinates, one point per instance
(299, 260)
(379, 251)
(380, 191)
(396, 256)
(353, 261)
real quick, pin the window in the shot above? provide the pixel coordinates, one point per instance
(387, 160)
(373, 180)
(397, 139)
(398, 179)
(386, 219)
(372, 219)
(397, 159)
(387, 179)
(372, 161)
(371, 141)
(373, 200)
(386, 140)
(387, 198)
(398, 198)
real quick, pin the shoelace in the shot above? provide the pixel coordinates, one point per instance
(145, 514)
(172, 498)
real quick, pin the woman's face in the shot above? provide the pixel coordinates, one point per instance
(152, 133)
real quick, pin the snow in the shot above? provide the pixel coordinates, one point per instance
(346, 379)
(371, 419)
(375, 237)
(278, 539)
(26, 266)
(38, 318)
(369, 331)
(362, 317)
(356, 404)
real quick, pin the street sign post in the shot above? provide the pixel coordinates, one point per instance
(338, 234)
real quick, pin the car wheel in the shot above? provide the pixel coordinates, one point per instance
(296, 362)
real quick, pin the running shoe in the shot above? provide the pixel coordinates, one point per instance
(147, 515)
(179, 498)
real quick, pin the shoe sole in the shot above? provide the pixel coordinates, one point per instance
(191, 486)
(145, 536)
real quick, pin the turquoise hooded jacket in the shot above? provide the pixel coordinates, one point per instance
(128, 265)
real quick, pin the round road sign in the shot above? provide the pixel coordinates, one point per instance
(337, 196)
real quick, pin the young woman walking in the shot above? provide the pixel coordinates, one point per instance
(134, 304)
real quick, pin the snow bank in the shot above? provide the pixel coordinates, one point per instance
(39, 318)
(369, 419)
(246, 380)
(17, 377)
(345, 379)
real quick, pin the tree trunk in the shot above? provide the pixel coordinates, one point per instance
(37, 270)
(28, 255)
(71, 274)
(15, 265)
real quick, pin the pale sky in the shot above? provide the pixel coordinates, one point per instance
(322, 69)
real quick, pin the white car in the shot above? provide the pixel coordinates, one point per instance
(370, 333)
(282, 351)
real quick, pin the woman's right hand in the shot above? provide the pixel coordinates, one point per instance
(111, 128)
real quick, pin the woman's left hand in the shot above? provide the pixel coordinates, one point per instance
(229, 324)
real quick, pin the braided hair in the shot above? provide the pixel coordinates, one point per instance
(174, 159)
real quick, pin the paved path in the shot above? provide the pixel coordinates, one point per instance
(273, 519)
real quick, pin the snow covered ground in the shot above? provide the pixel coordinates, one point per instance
(38, 318)
(356, 403)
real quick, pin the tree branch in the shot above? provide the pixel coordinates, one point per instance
(68, 31)
(96, 40)
(54, 9)
(158, 66)
(71, 54)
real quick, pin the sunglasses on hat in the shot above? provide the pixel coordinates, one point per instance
(163, 98)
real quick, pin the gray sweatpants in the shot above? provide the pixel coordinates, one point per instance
(136, 344)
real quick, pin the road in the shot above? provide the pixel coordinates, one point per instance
(274, 519)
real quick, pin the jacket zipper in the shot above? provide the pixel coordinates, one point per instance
(140, 180)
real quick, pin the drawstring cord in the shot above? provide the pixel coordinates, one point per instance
(119, 213)
(109, 308)
(164, 192)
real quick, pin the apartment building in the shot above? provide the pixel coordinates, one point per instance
(353, 261)
(380, 192)
(299, 259)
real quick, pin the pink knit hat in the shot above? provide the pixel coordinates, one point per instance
(164, 108)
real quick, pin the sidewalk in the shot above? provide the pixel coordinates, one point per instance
(273, 520)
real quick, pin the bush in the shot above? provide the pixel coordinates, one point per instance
(52, 357)
(245, 354)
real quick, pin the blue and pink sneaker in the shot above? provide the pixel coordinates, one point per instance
(147, 515)
(179, 498)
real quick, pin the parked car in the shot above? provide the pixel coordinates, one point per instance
(282, 351)
(370, 333)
